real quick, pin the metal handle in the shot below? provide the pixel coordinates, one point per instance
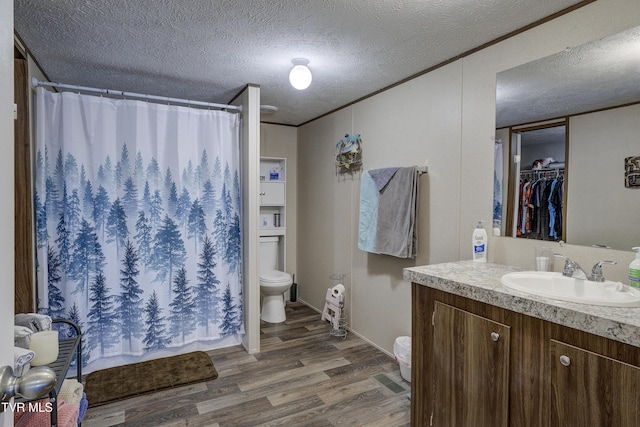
(34, 384)
(597, 268)
(565, 360)
(495, 336)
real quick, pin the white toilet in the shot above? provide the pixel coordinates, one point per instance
(273, 283)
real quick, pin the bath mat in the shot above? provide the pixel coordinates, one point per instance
(120, 382)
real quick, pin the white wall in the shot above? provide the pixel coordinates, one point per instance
(598, 143)
(446, 119)
(6, 191)
(250, 101)
(328, 205)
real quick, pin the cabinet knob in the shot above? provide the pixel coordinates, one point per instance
(565, 360)
(495, 336)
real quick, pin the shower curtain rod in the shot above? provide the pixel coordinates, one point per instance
(35, 83)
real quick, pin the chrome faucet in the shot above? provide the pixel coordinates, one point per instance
(573, 269)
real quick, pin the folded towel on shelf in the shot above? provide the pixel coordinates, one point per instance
(67, 415)
(84, 404)
(22, 336)
(396, 232)
(71, 391)
(36, 322)
(21, 360)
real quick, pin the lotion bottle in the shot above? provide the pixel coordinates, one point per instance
(634, 270)
(479, 239)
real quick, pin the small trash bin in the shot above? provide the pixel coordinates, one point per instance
(402, 352)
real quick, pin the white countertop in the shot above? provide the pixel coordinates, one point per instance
(481, 282)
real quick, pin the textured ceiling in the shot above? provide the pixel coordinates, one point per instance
(600, 74)
(209, 50)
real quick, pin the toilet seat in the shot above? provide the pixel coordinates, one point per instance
(275, 277)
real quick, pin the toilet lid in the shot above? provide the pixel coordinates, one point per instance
(274, 276)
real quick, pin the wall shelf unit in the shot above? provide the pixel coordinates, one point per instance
(273, 202)
(273, 196)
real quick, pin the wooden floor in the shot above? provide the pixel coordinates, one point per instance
(302, 377)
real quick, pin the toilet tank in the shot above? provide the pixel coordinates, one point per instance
(269, 249)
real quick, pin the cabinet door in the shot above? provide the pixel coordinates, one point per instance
(588, 389)
(272, 193)
(471, 369)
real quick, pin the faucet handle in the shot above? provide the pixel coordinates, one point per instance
(596, 271)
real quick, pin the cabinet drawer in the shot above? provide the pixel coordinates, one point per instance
(272, 193)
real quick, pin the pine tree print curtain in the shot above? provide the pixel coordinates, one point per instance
(138, 225)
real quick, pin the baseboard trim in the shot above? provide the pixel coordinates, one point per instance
(368, 341)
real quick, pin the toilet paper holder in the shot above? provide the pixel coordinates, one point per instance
(334, 311)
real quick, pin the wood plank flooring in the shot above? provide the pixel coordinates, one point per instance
(302, 377)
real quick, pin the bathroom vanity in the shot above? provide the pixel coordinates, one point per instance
(486, 355)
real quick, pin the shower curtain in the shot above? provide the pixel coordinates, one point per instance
(138, 225)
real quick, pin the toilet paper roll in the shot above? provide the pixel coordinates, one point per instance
(337, 290)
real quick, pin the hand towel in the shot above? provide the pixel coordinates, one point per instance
(22, 336)
(382, 176)
(67, 415)
(36, 322)
(21, 360)
(71, 391)
(396, 232)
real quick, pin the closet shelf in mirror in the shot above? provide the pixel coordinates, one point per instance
(541, 173)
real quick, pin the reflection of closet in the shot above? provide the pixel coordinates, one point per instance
(537, 196)
(540, 211)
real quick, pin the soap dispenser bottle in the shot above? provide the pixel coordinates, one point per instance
(479, 240)
(634, 270)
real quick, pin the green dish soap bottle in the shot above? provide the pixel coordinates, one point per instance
(634, 270)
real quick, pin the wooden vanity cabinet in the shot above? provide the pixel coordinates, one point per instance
(461, 375)
(607, 391)
(471, 372)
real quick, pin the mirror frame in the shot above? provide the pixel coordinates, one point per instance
(513, 179)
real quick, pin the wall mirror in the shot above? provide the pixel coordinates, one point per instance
(591, 95)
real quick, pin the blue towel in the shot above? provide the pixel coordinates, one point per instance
(368, 213)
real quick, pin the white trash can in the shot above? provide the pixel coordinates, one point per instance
(402, 352)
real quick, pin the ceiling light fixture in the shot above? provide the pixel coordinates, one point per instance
(300, 75)
(268, 109)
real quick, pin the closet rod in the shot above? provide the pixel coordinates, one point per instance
(35, 83)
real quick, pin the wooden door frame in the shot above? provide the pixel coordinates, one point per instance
(25, 301)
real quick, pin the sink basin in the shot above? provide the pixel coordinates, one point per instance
(556, 286)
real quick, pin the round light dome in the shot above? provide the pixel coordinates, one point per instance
(300, 76)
